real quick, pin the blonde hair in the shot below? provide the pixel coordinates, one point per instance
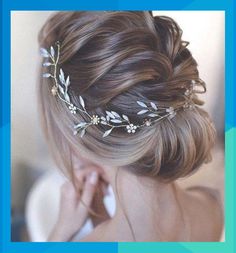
(115, 58)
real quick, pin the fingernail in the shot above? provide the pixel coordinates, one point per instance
(93, 178)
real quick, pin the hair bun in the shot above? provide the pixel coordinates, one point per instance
(115, 59)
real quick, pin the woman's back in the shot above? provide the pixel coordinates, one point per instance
(202, 221)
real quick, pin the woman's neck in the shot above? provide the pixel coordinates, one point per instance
(146, 209)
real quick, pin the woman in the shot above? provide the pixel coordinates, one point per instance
(119, 105)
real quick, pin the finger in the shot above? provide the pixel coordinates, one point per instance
(88, 193)
(67, 190)
(79, 178)
(90, 187)
(81, 174)
(69, 196)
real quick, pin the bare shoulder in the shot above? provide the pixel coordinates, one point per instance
(207, 212)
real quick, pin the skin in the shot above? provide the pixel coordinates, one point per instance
(156, 211)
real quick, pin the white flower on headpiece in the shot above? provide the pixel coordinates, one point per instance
(54, 90)
(147, 122)
(186, 105)
(131, 128)
(187, 92)
(171, 112)
(95, 120)
(112, 118)
(191, 106)
(72, 109)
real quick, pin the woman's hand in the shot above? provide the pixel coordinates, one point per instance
(73, 213)
(98, 204)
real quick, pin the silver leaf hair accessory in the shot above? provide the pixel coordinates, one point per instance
(111, 119)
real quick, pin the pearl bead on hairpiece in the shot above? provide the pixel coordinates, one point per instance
(111, 119)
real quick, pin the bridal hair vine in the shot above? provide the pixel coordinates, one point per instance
(111, 119)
